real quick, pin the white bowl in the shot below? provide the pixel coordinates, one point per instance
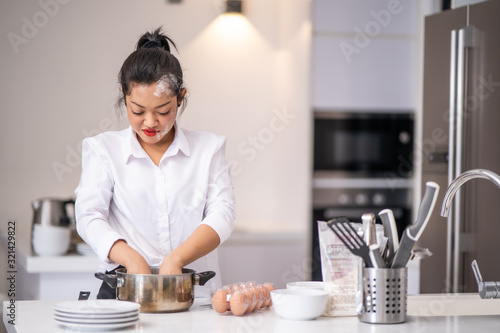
(51, 240)
(300, 303)
(306, 284)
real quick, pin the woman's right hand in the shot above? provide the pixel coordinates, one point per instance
(123, 254)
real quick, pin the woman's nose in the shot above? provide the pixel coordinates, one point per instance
(150, 120)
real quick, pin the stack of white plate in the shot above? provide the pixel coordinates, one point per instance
(96, 315)
(84, 249)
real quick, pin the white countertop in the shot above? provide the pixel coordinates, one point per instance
(426, 313)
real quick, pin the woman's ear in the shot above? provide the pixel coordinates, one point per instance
(181, 96)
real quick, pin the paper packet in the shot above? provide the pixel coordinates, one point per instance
(341, 270)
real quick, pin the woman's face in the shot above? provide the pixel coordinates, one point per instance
(151, 113)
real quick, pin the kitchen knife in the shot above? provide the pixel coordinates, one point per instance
(412, 233)
(390, 231)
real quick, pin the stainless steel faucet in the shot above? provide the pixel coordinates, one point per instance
(486, 289)
(460, 180)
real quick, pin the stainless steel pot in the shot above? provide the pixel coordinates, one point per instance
(154, 292)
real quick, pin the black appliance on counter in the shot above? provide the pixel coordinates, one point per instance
(363, 163)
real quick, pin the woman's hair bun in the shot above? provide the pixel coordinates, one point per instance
(155, 39)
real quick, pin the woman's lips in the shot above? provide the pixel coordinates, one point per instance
(150, 132)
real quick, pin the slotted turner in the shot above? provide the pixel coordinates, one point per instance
(348, 235)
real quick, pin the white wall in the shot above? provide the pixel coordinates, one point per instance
(59, 86)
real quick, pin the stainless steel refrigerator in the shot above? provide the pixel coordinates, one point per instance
(461, 131)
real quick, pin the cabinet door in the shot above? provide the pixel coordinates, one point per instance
(365, 55)
(381, 76)
(342, 16)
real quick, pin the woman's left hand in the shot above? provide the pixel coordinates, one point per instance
(203, 241)
(170, 266)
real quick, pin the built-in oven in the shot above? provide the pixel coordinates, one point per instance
(362, 164)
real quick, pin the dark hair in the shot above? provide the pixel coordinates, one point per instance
(150, 62)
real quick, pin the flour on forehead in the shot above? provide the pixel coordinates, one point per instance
(164, 85)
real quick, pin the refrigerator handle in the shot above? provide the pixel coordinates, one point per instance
(461, 40)
(451, 153)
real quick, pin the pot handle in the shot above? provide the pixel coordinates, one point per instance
(110, 279)
(202, 278)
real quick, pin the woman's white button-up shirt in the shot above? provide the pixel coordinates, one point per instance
(122, 194)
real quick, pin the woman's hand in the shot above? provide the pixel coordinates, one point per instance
(203, 241)
(140, 266)
(170, 265)
(126, 256)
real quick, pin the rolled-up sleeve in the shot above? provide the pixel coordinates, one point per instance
(93, 196)
(219, 209)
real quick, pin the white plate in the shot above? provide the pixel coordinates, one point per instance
(95, 319)
(95, 327)
(96, 316)
(97, 307)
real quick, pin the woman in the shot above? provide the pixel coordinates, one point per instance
(154, 194)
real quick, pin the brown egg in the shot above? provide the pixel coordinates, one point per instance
(269, 287)
(219, 301)
(251, 299)
(239, 303)
(259, 296)
(266, 294)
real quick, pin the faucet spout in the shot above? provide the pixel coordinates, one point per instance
(462, 179)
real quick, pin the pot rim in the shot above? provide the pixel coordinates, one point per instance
(187, 271)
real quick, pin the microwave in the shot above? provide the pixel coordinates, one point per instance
(374, 144)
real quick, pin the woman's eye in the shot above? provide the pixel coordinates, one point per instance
(163, 113)
(136, 113)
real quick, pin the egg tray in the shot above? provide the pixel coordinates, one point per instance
(242, 298)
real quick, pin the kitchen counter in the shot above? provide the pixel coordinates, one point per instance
(426, 313)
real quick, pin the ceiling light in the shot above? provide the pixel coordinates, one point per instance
(233, 6)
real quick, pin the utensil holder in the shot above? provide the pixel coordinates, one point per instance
(384, 294)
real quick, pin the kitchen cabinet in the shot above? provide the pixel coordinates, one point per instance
(364, 55)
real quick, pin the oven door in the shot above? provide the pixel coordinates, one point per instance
(376, 144)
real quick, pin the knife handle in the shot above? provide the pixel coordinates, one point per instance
(376, 257)
(390, 231)
(403, 255)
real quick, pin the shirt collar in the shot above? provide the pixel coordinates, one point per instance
(180, 142)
